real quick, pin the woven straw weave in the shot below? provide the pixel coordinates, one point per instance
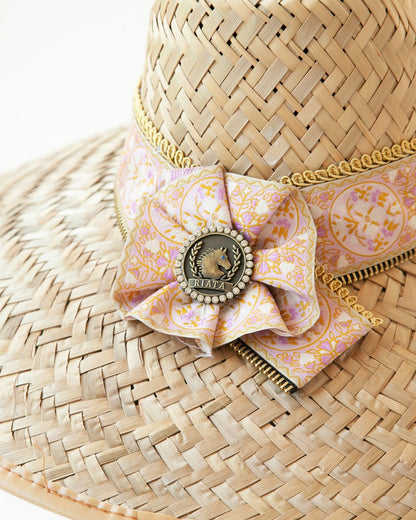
(129, 416)
(278, 86)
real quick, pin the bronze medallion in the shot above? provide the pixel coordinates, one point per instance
(214, 265)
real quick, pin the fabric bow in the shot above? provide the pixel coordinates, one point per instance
(273, 218)
(292, 320)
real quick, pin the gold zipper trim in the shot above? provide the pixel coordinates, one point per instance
(283, 382)
(336, 286)
(247, 353)
(366, 272)
(119, 215)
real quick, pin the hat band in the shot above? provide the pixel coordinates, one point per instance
(295, 319)
(283, 310)
(364, 209)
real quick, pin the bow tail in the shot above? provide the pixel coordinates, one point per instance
(299, 358)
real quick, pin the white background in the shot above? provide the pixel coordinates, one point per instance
(68, 69)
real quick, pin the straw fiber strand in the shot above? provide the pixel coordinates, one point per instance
(129, 416)
(274, 87)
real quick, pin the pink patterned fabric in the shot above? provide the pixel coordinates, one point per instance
(365, 219)
(281, 296)
(140, 174)
(301, 357)
(287, 316)
(361, 220)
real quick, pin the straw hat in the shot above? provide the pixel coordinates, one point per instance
(101, 416)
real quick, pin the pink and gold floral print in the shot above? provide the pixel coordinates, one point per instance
(361, 220)
(365, 219)
(281, 296)
(290, 318)
(301, 357)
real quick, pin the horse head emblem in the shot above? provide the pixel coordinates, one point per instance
(215, 265)
(211, 260)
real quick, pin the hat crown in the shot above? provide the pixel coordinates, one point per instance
(269, 88)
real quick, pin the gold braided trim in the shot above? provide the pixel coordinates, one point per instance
(356, 165)
(169, 151)
(336, 286)
(307, 178)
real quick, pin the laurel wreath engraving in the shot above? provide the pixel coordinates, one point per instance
(237, 262)
(192, 258)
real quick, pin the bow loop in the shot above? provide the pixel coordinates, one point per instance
(274, 220)
(212, 256)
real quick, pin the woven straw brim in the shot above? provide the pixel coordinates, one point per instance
(115, 414)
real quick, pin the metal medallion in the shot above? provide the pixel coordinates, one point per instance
(214, 265)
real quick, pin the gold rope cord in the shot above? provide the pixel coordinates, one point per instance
(356, 165)
(168, 150)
